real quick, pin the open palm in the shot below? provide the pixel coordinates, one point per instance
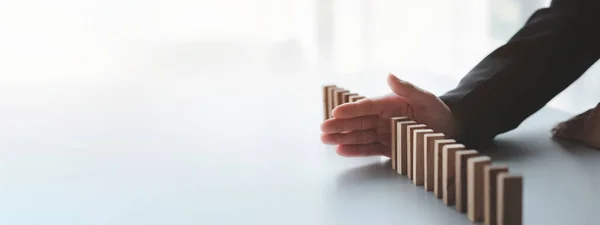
(362, 128)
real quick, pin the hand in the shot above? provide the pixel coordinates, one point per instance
(362, 128)
(583, 128)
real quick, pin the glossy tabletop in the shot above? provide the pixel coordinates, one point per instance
(229, 150)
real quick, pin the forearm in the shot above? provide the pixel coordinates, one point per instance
(555, 47)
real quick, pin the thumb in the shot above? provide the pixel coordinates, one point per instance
(407, 90)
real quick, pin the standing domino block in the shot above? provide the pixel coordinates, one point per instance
(437, 166)
(327, 113)
(346, 97)
(355, 98)
(402, 154)
(430, 159)
(418, 154)
(331, 100)
(461, 178)
(490, 188)
(334, 97)
(448, 168)
(475, 187)
(395, 137)
(409, 146)
(510, 199)
(339, 97)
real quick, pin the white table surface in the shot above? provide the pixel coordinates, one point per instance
(204, 150)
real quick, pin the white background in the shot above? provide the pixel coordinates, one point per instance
(86, 40)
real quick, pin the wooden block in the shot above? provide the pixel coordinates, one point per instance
(490, 190)
(347, 96)
(402, 153)
(430, 159)
(409, 146)
(448, 168)
(509, 202)
(354, 98)
(395, 137)
(339, 97)
(437, 165)
(475, 187)
(418, 154)
(327, 112)
(461, 178)
(331, 100)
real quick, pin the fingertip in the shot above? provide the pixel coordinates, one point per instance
(327, 126)
(397, 85)
(339, 111)
(328, 139)
(343, 150)
(349, 109)
(391, 78)
(323, 125)
(324, 138)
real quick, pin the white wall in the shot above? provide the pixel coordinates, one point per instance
(46, 41)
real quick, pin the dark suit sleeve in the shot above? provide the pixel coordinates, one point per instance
(554, 48)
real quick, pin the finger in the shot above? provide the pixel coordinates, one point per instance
(363, 107)
(357, 123)
(408, 91)
(353, 137)
(384, 139)
(373, 149)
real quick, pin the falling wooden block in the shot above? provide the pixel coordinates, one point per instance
(448, 168)
(430, 158)
(461, 178)
(327, 113)
(346, 97)
(490, 190)
(355, 98)
(409, 147)
(509, 201)
(395, 138)
(475, 187)
(402, 145)
(418, 155)
(437, 165)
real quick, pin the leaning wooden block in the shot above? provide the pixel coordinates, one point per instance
(461, 178)
(395, 137)
(448, 168)
(437, 166)
(327, 112)
(409, 147)
(509, 202)
(346, 97)
(430, 159)
(490, 190)
(475, 187)
(418, 155)
(402, 145)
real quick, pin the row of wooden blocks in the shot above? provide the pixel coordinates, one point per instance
(334, 96)
(461, 177)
